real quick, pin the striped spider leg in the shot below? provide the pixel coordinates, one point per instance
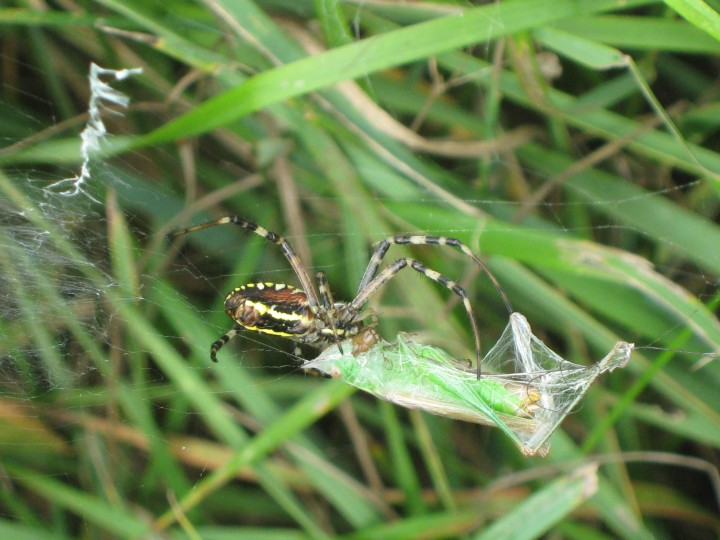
(370, 283)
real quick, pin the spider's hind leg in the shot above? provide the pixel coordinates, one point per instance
(220, 343)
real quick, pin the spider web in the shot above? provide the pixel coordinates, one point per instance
(53, 260)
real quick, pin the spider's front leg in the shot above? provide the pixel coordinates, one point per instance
(391, 271)
(381, 250)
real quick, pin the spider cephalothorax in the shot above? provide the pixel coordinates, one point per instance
(313, 318)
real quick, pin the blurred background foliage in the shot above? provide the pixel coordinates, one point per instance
(573, 144)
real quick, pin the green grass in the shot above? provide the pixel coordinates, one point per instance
(593, 196)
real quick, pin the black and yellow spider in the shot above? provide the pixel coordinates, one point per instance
(314, 318)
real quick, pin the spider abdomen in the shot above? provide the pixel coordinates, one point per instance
(270, 308)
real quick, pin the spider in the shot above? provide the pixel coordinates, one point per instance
(313, 318)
